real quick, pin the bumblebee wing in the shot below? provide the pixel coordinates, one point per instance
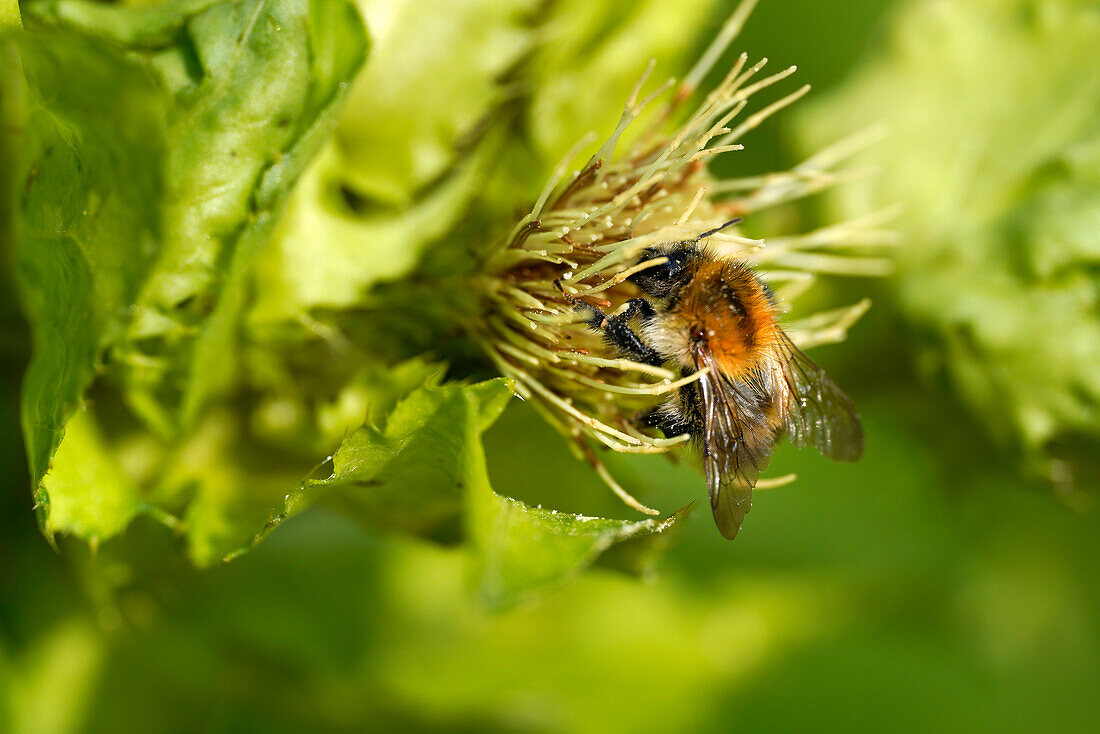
(816, 412)
(730, 463)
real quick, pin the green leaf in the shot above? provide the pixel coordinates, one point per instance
(326, 255)
(137, 220)
(229, 484)
(410, 470)
(422, 126)
(86, 219)
(523, 551)
(237, 481)
(9, 14)
(434, 77)
(91, 496)
(421, 470)
(250, 90)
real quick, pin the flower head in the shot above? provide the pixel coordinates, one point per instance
(582, 240)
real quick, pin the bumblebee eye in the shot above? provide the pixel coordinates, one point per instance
(666, 278)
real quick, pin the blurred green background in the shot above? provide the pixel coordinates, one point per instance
(941, 583)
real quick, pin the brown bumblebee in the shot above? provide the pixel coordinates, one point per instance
(704, 311)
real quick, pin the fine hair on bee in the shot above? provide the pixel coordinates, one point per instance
(711, 316)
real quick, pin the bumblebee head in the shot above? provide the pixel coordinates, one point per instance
(667, 278)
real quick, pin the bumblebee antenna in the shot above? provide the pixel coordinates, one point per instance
(716, 230)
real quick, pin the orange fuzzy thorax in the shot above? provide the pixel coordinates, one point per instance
(725, 311)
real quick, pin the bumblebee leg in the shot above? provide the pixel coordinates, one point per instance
(638, 307)
(678, 415)
(617, 331)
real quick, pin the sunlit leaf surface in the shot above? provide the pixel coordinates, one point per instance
(138, 219)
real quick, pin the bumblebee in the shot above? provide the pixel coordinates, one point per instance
(702, 312)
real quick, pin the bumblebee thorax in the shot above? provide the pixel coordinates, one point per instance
(723, 309)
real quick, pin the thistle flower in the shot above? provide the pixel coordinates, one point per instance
(582, 238)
